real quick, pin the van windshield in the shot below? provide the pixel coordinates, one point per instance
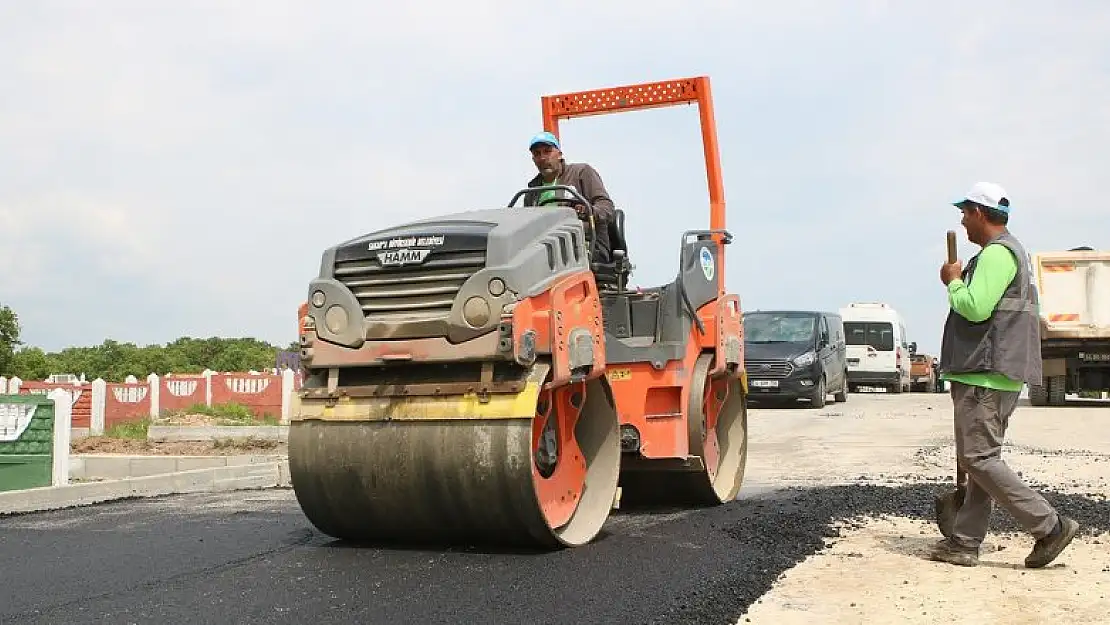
(877, 334)
(779, 328)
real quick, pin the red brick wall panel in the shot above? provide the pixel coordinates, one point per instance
(126, 402)
(261, 393)
(181, 392)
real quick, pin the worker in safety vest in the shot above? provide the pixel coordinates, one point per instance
(990, 348)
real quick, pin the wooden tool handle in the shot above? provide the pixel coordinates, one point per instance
(951, 246)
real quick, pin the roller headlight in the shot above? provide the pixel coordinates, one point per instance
(336, 319)
(476, 312)
(318, 299)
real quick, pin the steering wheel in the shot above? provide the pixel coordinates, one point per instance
(552, 200)
(577, 198)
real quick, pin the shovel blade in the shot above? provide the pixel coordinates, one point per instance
(947, 506)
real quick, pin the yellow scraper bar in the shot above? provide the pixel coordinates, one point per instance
(420, 408)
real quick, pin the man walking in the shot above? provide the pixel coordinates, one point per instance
(990, 348)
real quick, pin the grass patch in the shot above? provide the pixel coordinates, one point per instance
(131, 429)
(231, 413)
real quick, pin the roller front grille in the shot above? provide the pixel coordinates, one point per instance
(428, 289)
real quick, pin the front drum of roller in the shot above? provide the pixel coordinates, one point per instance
(431, 474)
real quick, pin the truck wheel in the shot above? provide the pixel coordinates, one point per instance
(818, 399)
(842, 395)
(1038, 395)
(1057, 387)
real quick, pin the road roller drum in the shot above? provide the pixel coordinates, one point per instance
(452, 469)
(488, 377)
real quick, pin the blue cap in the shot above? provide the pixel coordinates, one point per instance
(545, 137)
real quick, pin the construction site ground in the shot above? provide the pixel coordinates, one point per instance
(131, 438)
(139, 446)
(831, 527)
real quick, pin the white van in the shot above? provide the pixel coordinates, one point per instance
(878, 354)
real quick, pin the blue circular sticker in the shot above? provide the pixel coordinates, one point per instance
(707, 265)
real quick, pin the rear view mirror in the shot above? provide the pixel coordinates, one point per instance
(913, 347)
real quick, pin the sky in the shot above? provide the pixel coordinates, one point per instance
(173, 169)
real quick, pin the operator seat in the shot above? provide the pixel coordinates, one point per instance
(612, 274)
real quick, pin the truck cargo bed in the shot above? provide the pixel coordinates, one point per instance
(1074, 289)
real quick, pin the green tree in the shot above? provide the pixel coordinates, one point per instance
(31, 363)
(9, 338)
(114, 360)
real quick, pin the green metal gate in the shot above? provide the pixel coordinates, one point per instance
(26, 441)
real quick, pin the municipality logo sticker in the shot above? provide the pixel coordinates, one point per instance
(707, 266)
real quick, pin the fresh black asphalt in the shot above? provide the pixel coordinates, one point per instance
(251, 557)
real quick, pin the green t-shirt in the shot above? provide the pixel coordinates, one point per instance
(550, 193)
(976, 301)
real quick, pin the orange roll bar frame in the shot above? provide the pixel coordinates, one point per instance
(651, 95)
(647, 96)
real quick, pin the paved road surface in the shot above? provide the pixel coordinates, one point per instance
(251, 557)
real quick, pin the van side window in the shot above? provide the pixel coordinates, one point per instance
(824, 330)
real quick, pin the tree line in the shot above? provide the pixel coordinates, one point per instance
(113, 361)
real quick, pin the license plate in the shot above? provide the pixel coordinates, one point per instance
(853, 361)
(765, 383)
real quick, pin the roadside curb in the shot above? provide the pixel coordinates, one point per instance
(193, 433)
(100, 467)
(226, 478)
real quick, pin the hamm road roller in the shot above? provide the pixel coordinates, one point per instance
(484, 378)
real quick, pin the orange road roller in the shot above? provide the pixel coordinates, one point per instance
(485, 378)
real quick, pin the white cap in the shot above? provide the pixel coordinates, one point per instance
(988, 194)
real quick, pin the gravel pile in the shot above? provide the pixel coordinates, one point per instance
(775, 533)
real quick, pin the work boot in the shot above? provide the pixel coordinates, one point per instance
(948, 551)
(1048, 548)
(946, 507)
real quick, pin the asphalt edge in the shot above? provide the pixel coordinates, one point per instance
(215, 479)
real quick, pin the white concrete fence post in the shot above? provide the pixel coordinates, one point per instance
(288, 380)
(97, 406)
(155, 391)
(208, 373)
(63, 419)
(14, 384)
(3, 385)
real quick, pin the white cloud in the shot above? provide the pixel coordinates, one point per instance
(199, 158)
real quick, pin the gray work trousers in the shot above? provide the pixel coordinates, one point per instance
(981, 418)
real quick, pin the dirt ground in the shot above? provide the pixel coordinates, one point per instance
(877, 572)
(137, 446)
(131, 446)
(194, 419)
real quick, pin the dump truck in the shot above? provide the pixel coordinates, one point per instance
(923, 373)
(486, 377)
(1074, 291)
